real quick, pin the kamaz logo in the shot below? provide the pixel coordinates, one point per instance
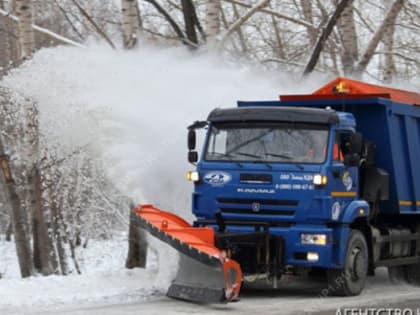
(217, 178)
(256, 207)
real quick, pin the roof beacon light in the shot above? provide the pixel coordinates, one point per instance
(340, 88)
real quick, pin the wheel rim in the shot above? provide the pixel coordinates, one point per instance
(357, 266)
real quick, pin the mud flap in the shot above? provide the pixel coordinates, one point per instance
(205, 274)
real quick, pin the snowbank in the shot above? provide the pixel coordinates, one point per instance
(103, 279)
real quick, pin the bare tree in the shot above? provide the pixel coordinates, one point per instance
(189, 14)
(174, 25)
(341, 6)
(347, 29)
(308, 15)
(389, 68)
(234, 27)
(95, 25)
(137, 244)
(13, 184)
(388, 22)
(4, 40)
(26, 33)
(130, 22)
(213, 19)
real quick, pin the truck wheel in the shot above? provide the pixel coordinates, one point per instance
(351, 280)
(413, 274)
(397, 274)
(413, 271)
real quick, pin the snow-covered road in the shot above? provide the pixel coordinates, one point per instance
(297, 297)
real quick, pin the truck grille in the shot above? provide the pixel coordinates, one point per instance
(268, 202)
(255, 206)
(263, 211)
(256, 178)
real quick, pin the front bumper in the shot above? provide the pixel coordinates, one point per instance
(294, 252)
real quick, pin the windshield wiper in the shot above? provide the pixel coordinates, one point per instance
(228, 156)
(283, 156)
(247, 154)
(255, 156)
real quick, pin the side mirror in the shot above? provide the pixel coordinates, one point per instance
(192, 156)
(191, 139)
(356, 143)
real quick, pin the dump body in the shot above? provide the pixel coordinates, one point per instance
(394, 128)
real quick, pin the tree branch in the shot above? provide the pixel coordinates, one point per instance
(309, 26)
(373, 44)
(170, 20)
(241, 21)
(324, 36)
(100, 31)
(44, 31)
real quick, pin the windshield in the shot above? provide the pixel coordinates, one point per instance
(281, 143)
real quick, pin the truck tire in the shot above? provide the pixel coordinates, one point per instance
(397, 274)
(413, 271)
(351, 280)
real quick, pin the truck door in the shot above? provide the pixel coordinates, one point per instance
(344, 176)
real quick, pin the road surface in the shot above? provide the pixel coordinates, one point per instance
(296, 298)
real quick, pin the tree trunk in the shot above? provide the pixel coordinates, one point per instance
(308, 15)
(389, 21)
(347, 29)
(26, 34)
(130, 22)
(22, 239)
(20, 229)
(9, 232)
(58, 235)
(17, 212)
(188, 11)
(213, 19)
(137, 245)
(9, 46)
(4, 41)
(44, 259)
(389, 64)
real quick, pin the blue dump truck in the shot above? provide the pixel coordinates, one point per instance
(324, 184)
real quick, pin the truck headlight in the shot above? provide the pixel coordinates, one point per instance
(312, 257)
(313, 239)
(320, 180)
(193, 176)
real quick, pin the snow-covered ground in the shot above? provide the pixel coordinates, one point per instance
(105, 287)
(133, 108)
(103, 279)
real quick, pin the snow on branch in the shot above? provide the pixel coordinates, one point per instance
(279, 15)
(44, 31)
(234, 27)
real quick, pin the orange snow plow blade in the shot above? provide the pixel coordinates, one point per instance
(205, 274)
